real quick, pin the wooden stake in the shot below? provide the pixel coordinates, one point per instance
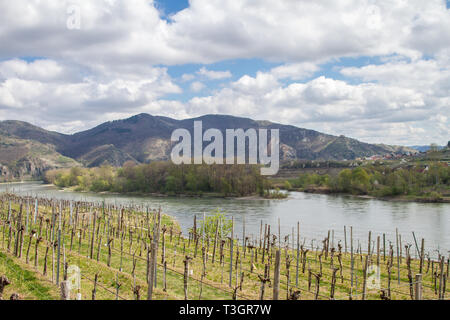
(276, 276)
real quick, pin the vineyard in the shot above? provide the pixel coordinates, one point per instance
(52, 249)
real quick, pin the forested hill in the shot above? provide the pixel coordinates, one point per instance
(145, 138)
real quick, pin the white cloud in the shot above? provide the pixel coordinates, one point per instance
(42, 70)
(133, 32)
(197, 86)
(45, 92)
(214, 75)
(295, 71)
(187, 77)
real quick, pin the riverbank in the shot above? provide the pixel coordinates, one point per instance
(213, 195)
(277, 195)
(401, 198)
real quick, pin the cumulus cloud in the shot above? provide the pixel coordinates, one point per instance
(396, 103)
(116, 63)
(133, 32)
(48, 93)
(197, 86)
(295, 71)
(214, 75)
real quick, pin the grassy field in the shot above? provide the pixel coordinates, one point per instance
(30, 285)
(127, 267)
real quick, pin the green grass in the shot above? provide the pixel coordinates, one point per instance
(25, 282)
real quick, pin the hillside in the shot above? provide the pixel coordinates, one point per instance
(146, 138)
(28, 159)
(106, 154)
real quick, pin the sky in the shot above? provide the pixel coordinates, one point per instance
(374, 70)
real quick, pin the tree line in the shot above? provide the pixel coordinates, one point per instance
(381, 181)
(164, 177)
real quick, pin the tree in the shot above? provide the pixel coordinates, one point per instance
(360, 180)
(209, 225)
(345, 180)
(287, 185)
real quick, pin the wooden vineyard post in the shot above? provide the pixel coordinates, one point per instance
(203, 272)
(298, 254)
(365, 278)
(441, 279)
(165, 276)
(378, 251)
(151, 266)
(29, 245)
(36, 248)
(398, 255)
(186, 276)
(276, 276)
(58, 258)
(264, 243)
(163, 247)
(94, 291)
(71, 238)
(122, 235)
(422, 248)
(215, 240)
(79, 241)
(45, 261)
(27, 217)
(351, 263)
(118, 285)
(243, 235)
(99, 248)
(108, 262)
(9, 235)
(231, 251)
(288, 265)
(156, 241)
(91, 252)
(418, 287)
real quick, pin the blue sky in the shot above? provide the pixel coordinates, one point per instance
(377, 71)
(170, 7)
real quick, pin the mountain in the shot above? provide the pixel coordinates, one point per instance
(144, 138)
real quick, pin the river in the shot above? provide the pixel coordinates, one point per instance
(316, 213)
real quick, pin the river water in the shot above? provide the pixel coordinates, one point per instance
(316, 213)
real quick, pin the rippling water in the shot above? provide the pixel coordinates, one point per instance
(316, 213)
